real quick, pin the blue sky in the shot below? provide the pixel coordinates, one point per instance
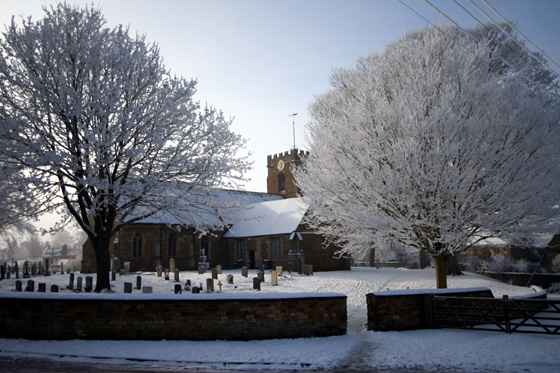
(260, 61)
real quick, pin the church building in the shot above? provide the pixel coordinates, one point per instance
(269, 232)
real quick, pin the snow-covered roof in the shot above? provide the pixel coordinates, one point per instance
(59, 251)
(208, 214)
(269, 218)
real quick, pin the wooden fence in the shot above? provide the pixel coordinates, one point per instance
(493, 314)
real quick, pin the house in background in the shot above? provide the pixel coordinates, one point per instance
(269, 231)
(60, 255)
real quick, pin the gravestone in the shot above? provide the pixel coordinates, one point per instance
(279, 271)
(122, 272)
(167, 274)
(42, 287)
(214, 273)
(18, 285)
(274, 278)
(54, 288)
(71, 284)
(61, 268)
(16, 269)
(128, 287)
(159, 270)
(229, 279)
(178, 289)
(2, 272)
(26, 273)
(171, 265)
(138, 282)
(34, 269)
(195, 290)
(219, 269)
(30, 286)
(79, 284)
(147, 290)
(260, 275)
(89, 284)
(113, 276)
(244, 272)
(176, 272)
(200, 270)
(209, 285)
(256, 283)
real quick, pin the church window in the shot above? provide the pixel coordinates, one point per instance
(281, 182)
(137, 244)
(172, 245)
(275, 248)
(240, 247)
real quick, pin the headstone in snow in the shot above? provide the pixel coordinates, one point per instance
(138, 282)
(274, 278)
(229, 279)
(172, 265)
(256, 283)
(214, 273)
(79, 284)
(147, 290)
(71, 282)
(128, 287)
(89, 284)
(209, 285)
(159, 270)
(244, 272)
(260, 275)
(279, 271)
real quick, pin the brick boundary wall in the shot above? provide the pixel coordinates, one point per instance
(185, 319)
(525, 279)
(406, 309)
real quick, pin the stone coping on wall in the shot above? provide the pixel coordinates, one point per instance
(391, 293)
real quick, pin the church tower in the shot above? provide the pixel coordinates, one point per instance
(280, 178)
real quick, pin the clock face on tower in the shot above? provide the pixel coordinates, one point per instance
(280, 165)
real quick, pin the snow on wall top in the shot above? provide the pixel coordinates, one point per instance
(269, 218)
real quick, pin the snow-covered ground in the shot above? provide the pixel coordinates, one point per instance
(358, 350)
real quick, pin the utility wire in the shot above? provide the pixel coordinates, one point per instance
(520, 33)
(524, 58)
(515, 40)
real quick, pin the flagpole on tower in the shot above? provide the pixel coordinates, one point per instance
(293, 128)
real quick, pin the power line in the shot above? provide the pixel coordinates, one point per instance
(520, 33)
(515, 40)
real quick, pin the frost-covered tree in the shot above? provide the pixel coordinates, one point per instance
(436, 143)
(100, 129)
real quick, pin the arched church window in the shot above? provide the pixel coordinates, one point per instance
(172, 245)
(137, 244)
(281, 182)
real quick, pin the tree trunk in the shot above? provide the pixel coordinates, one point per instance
(440, 262)
(101, 247)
